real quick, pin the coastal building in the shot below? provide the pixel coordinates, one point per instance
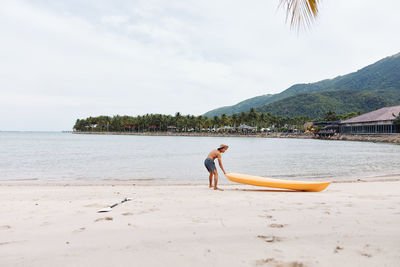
(226, 129)
(246, 128)
(171, 128)
(326, 128)
(381, 121)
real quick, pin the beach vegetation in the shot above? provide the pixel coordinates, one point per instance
(300, 13)
(396, 119)
(188, 123)
(256, 121)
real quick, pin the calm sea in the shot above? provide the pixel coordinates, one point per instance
(65, 156)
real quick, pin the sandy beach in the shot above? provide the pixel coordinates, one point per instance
(349, 224)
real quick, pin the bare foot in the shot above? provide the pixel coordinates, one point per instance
(211, 186)
(217, 188)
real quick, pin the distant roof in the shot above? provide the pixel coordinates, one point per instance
(244, 126)
(325, 123)
(383, 114)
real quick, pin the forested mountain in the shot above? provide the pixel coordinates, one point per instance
(239, 107)
(316, 105)
(381, 79)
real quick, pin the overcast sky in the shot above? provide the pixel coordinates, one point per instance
(64, 60)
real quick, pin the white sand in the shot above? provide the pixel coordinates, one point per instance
(349, 224)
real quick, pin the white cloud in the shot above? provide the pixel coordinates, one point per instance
(102, 57)
(115, 21)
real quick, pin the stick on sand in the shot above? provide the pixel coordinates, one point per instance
(112, 206)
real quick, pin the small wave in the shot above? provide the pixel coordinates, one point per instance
(134, 179)
(19, 180)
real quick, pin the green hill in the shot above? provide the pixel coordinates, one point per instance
(381, 78)
(239, 107)
(316, 105)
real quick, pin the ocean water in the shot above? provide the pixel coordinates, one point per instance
(64, 156)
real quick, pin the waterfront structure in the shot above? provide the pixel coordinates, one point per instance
(381, 121)
(329, 128)
(226, 129)
(171, 129)
(246, 128)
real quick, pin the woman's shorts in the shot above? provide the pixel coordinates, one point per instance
(210, 165)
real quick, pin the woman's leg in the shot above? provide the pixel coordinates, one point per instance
(210, 178)
(216, 181)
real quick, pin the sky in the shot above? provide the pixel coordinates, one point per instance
(65, 60)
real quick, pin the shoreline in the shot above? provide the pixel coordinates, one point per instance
(381, 138)
(157, 183)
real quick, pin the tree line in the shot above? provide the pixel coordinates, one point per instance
(185, 123)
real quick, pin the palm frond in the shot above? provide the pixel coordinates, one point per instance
(301, 13)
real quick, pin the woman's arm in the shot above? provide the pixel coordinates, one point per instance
(220, 163)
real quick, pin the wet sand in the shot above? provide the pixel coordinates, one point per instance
(348, 224)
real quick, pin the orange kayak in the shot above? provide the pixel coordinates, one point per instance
(277, 183)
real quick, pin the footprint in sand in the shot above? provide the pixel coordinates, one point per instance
(104, 219)
(279, 264)
(5, 227)
(6, 243)
(265, 216)
(11, 242)
(199, 220)
(147, 211)
(277, 225)
(265, 261)
(366, 254)
(79, 230)
(93, 205)
(269, 239)
(127, 214)
(337, 249)
(291, 264)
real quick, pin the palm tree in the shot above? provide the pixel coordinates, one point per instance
(199, 122)
(207, 122)
(139, 123)
(301, 13)
(252, 116)
(216, 121)
(396, 119)
(81, 125)
(224, 120)
(261, 120)
(243, 117)
(330, 116)
(178, 118)
(192, 122)
(396, 123)
(235, 118)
